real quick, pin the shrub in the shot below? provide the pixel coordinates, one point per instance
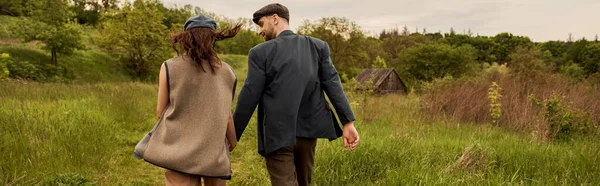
(560, 119)
(494, 97)
(4, 62)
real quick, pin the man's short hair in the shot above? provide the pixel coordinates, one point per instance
(271, 9)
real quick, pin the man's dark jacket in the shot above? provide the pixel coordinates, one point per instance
(286, 78)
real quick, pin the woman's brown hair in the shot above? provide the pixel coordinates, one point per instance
(198, 44)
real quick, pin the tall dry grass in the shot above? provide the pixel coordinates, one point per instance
(467, 99)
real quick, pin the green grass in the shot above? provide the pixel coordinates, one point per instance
(85, 133)
(81, 66)
(5, 27)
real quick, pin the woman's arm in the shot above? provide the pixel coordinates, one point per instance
(163, 91)
(231, 138)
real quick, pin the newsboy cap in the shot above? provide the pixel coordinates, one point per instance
(270, 9)
(200, 21)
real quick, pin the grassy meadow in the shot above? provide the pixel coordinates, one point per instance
(84, 134)
(81, 130)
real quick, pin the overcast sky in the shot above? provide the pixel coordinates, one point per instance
(541, 20)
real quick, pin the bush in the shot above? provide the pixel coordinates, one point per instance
(560, 120)
(437, 60)
(573, 70)
(528, 63)
(495, 107)
(29, 71)
(4, 62)
(468, 101)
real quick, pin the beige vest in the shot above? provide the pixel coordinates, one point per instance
(191, 137)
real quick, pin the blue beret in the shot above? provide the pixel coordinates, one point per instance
(200, 21)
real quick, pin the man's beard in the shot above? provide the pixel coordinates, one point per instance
(269, 36)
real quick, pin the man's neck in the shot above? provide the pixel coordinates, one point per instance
(283, 28)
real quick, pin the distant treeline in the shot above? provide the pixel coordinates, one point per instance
(138, 34)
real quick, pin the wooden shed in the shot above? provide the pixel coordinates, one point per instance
(385, 80)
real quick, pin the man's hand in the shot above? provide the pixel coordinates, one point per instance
(232, 145)
(350, 136)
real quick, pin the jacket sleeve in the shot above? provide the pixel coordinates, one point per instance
(331, 84)
(250, 94)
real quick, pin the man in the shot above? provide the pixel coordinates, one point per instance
(287, 75)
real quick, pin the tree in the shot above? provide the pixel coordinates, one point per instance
(405, 31)
(140, 47)
(507, 44)
(576, 51)
(175, 15)
(346, 42)
(591, 62)
(437, 60)
(109, 5)
(435, 36)
(556, 49)
(386, 34)
(89, 11)
(86, 12)
(393, 43)
(240, 44)
(570, 38)
(50, 24)
(451, 34)
(16, 7)
(527, 62)
(379, 63)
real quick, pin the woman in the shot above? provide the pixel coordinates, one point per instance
(194, 100)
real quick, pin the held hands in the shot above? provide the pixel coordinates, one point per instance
(350, 136)
(231, 145)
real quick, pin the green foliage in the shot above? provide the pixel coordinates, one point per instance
(240, 44)
(379, 63)
(495, 106)
(349, 48)
(591, 63)
(507, 43)
(560, 119)
(573, 70)
(7, 27)
(26, 70)
(437, 60)
(50, 25)
(493, 71)
(86, 12)
(140, 47)
(16, 7)
(235, 61)
(5, 61)
(556, 49)
(576, 51)
(30, 70)
(527, 62)
(81, 66)
(395, 42)
(174, 16)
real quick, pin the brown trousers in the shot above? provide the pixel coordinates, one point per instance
(292, 165)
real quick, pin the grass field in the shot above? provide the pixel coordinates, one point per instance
(85, 133)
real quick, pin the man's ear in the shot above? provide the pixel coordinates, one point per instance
(275, 19)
